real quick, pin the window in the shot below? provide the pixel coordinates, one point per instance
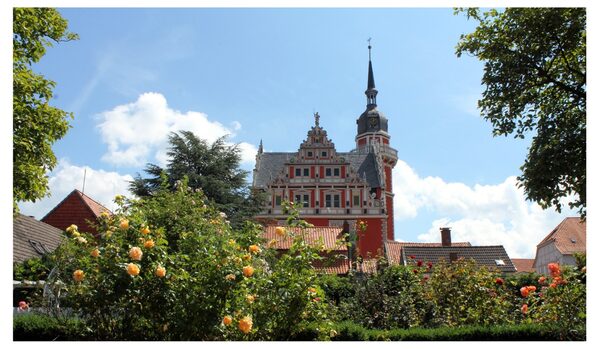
(356, 200)
(306, 172)
(336, 172)
(332, 200)
(304, 199)
(499, 262)
(323, 154)
(310, 154)
(298, 172)
(277, 200)
(328, 172)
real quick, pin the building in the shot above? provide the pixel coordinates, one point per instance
(524, 265)
(335, 187)
(560, 245)
(32, 238)
(77, 208)
(407, 253)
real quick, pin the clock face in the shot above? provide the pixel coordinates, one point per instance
(373, 122)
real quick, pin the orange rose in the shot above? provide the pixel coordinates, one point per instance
(524, 309)
(135, 253)
(145, 230)
(311, 290)
(542, 280)
(280, 231)
(78, 275)
(124, 224)
(554, 269)
(132, 269)
(254, 249)
(524, 291)
(160, 271)
(245, 324)
(95, 253)
(248, 271)
(227, 320)
(149, 243)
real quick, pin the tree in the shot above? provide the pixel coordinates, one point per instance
(214, 168)
(36, 124)
(535, 80)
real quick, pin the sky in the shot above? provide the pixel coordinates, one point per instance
(259, 74)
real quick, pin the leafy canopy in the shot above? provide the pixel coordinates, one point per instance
(535, 80)
(36, 124)
(214, 168)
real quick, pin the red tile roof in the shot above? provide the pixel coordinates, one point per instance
(77, 208)
(393, 248)
(570, 236)
(329, 235)
(523, 265)
(341, 266)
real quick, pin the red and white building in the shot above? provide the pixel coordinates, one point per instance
(334, 187)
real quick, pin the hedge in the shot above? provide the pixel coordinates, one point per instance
(37, 327)
(348, 331)
(40, 327)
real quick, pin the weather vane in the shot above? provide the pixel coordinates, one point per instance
(369, 47)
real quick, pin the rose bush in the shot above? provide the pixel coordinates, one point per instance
(171, 267)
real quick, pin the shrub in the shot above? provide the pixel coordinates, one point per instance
(39, 327)
(126, 288)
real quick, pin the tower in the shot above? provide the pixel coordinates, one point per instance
(373, 136)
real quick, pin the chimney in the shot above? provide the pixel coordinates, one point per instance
(446, 237)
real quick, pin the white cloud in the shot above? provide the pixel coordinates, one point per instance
(481, 214)
(137, 132)
(100, 185)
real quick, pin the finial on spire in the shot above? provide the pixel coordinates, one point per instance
(260, 147)
(369, 47)
(316, 119)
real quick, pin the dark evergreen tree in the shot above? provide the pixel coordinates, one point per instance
(213, 168)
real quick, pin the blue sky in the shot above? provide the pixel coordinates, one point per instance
(136, 74)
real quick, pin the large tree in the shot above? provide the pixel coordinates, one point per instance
(535, 84)
(36, 124)
(214, 168)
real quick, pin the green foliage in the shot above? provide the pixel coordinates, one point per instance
(213, 168)
(40, 327)
(36, 124)
(535, 79)
(214, 272)
(33, 269)
(349, 331)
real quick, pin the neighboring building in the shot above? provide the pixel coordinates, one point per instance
(568, 238)
(334, 248)
(77, 208)
(334, 187)
(524, 265)
(409, 253)
(32, 238)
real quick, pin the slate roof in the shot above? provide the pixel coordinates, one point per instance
(271, 165)
(393, 248)
(330, 235)
(570, 236)
(32, 238)
(524, 265)
(482, 255)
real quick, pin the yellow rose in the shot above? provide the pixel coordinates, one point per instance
(145, 230)
(248, 271)
(254, 249)
(104, 214)
(246, 257)
(124, 224)
(280, 231)
(135, 253)
(160, 271)
(311, 290)
(76, 234)
(230, 277)
(81, 239)
(78, 275)
(71, 228)
(245, 324)
(250, 298)
(149, 243)
(227, 320)
(108, 234)
(95, 253)
(132, 269)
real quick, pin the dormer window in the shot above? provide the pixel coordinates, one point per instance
(323, 154)
(310, 154)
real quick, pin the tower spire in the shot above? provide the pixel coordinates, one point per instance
(371, 91)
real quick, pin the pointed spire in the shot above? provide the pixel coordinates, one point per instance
(371, 89)
(260, 148)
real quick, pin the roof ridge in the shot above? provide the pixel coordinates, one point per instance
(87, 196)
(58, 204)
